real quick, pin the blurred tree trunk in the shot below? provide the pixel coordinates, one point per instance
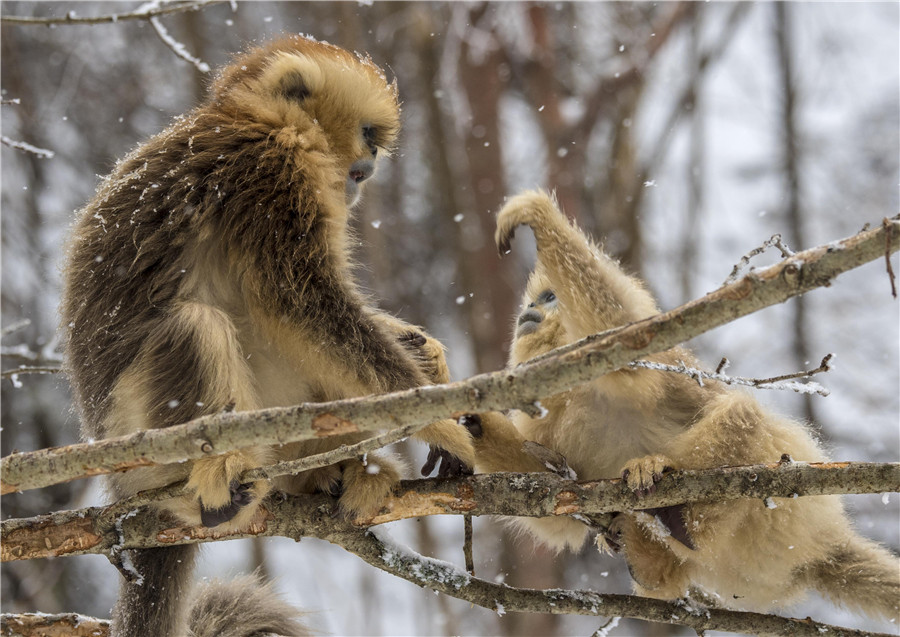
(488, 291)
(793, 192)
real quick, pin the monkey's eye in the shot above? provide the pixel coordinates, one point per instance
(370, 136)
(547, 296)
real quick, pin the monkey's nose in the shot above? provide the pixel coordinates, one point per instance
(361, 170)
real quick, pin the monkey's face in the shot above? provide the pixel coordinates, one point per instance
(339, 104)
(538, 327)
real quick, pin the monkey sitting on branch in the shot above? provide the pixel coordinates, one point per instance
(212, 271)
(637, 423)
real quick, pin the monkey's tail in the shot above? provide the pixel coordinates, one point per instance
(860, 575)
(243, 607)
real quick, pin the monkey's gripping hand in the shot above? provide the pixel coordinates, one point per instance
(428, 354)
(641, 476)
(222, 497)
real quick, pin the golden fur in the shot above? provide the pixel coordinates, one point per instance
(635, 423)
(212, 271)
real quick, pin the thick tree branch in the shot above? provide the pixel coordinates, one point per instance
(56, 625)
(411, 410)
(96, 530)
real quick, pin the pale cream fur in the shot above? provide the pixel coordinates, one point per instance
(637, 422)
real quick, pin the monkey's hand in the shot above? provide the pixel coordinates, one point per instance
(534, 208)
(642, 474)
(428, 353)
(221, 496)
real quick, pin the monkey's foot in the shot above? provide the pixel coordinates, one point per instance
(367, 486)
(451, 449)
(642, 474)
(222, 497)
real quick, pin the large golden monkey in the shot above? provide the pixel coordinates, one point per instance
(212, 271)
(635, 423)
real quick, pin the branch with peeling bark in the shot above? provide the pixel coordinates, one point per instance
(412, 410)
(99, 530)
(145, 13)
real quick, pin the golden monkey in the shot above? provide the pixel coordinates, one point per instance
(635, 423)
(212, 271)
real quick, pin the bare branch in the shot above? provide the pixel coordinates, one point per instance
(774, 240)
(14, 373)
(414, 409)
(888, 238)
(43, 624)
(177, 47)
(43, 153)
(141, 14)
(103, 529)
(776, 382)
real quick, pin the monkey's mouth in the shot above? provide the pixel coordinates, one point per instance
(528, 322)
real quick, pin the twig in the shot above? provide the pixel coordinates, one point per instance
(12, 373)
(414, 409)
(177, 47)
(141, 14)
(888, 237)
(604, 630)
(774, 240)
(43, 153)
(15, 101)
(467, 545)
(15, 327)
(776, 382)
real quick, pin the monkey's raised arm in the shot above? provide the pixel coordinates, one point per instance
(593, 291)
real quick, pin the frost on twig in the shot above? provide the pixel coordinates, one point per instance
(783, 382)
(177, 47)
(145, 12)
(43, 153)
(774, 240)
(30, 361)
(888, 239)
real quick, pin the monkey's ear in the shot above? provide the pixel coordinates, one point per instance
(292, 86)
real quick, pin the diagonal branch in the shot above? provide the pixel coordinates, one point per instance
(519, 388)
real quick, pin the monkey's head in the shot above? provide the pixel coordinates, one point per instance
(338, 104)
(539, 325)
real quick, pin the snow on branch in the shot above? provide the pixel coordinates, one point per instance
(177, 47)
(107, 531)
(776, 382)
(43, 153)
(43, 624)
(144, 12)
(774, 240)
(411, 410)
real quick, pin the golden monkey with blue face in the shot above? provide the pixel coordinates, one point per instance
(637, 423)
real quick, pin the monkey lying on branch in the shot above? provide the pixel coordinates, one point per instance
(639, 423)
(212, 271)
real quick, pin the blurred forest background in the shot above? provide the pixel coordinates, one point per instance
(683, 135)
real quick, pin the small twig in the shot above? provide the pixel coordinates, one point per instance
(177, 47)
(467, 545)
(888, 237)
(776, 382)
(15, 327)
(604, 630)
(774, 240)
(10, 373)
(43, 153)
(11, 102)
(140, 14)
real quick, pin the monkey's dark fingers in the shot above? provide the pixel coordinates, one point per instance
(434, 456)
(472, 422)
(412, 339)
(240, 497)
(504, 241)
(672, 517)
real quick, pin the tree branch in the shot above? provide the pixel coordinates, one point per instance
(98, 529)
(45, 625)
(412, 410)
(143, 14)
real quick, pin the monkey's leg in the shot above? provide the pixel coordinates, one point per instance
(499, 446)
(656, 571)
(362, 485)
(191, 365)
